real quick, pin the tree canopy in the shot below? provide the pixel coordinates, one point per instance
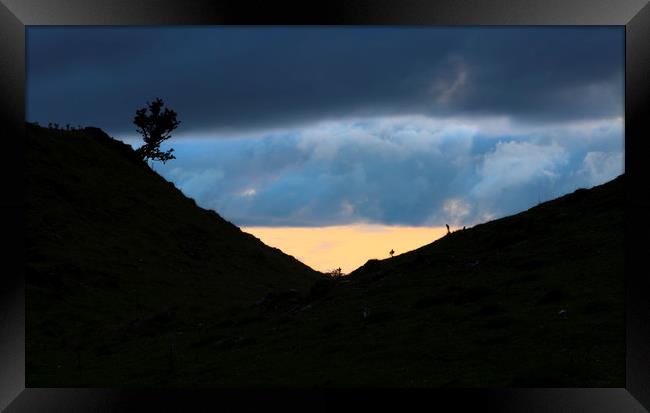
(155, 125)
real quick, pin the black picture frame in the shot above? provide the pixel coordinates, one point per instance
(16, 14)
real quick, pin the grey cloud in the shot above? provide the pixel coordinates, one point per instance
(439, 173)
(413, 126)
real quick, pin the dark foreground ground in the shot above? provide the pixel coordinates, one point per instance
(130, 284)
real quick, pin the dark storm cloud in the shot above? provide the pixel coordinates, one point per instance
(243, 78)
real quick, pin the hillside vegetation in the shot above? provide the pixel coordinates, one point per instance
(131, 284)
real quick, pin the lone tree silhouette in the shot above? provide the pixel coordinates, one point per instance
(155, 125)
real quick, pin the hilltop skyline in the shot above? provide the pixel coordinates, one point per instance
(320, 127)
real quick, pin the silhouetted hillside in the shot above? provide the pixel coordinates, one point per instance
(574, 226)
(131, 284)
(111, 243)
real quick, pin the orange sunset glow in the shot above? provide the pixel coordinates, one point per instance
(345, 246)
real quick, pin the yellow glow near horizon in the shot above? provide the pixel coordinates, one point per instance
(346, 246)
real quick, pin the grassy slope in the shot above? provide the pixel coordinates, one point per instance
(476, 308)
(112, 245)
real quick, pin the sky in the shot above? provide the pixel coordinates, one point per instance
(313, 137)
